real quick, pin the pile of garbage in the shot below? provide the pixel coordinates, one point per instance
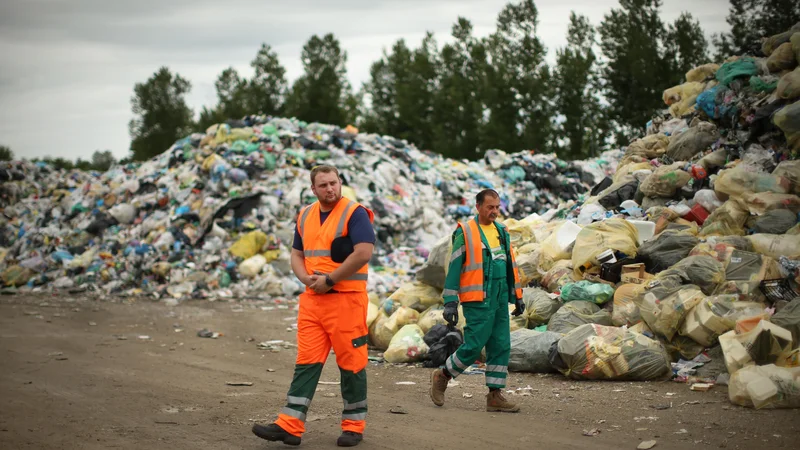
(691, 247)
(213, 216)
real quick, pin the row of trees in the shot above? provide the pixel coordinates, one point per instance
(100, 161)
(474, 94)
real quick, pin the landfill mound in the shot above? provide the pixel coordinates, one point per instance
(214, 215)
(691, 248)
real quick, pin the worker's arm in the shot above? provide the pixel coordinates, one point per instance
(452, 281)
(361, 255)
(299, 267)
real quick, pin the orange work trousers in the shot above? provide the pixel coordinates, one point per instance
(338, 320)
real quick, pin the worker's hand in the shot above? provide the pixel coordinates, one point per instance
(450, 313)
(520, 308)
(308, 279)
(319, 285)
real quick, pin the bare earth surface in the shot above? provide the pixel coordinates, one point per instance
(77, 373)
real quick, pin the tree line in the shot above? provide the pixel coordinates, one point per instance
(474, 94)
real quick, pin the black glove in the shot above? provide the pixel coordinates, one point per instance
(519, 309)
(450, 313)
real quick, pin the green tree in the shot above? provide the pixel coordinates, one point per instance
(752, 19)
(387, 88)
(209, 116)
(685, 47)
(266, 91)
(232, 95)
(86, 166)
(161, 115)
(6, 154)
(322, 93)
(576, 80)
(634, 71)
(517, 88)
(423, 84)
(458, 107)
(102, 161)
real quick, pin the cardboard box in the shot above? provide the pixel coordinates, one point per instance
(634, 273)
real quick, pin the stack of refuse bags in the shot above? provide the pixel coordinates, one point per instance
(214, 215)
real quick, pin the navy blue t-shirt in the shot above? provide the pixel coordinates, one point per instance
(359, 229)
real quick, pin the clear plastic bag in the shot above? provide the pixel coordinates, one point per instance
(406, 346)
(529, 351)
(574, 314)
(766, 386)
(664, 308)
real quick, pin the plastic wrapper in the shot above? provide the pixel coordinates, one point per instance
(574, 314)
(766, 343)
(434, 270)
(615, 234)
(406, 346)
(715, 316)
(703, 271)
(664, 308)
(707, 199)
(775, 246)
(666, 250)
(597, 293)
(782, 58)
(665, 181)
(789, 319)
(693, 141)
(596, 352)
(789, 85)
(775, 222)
(626, 311)
(530, 349)
(766, 386)
(417, 296)
(539, 306)
(558, 276)
(788, 120)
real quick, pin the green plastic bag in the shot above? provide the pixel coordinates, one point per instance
(597, 293)
(269, 129)
(788, 120)
(759, 85)
(742, 67)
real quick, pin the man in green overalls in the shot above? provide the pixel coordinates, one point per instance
(484, 278)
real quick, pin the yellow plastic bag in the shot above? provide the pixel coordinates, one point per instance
(212, 161)
(406, 346)
(650, 147)
(372, 313)
(682, 98)
(521, 231)
(763, 202)
(615, 234)
(788, 120)
(417, 296)
(528, 263)
(735, 182)
(626, 311)
(665, 181)
(379, 334)
(248, 245)
(727, 220)
(776, 245)
(790, 170)
(701, 73)
(624, 173)
(432, 316)
(558, 276)
(664, 308)
(789, 85)
(782, 58)
(764, 344)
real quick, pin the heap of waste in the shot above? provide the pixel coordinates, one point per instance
(213, 217)
(691, 248)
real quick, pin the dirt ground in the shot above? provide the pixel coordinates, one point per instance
(79, 373)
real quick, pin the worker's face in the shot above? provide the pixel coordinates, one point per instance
(488, 210)
(327, 188)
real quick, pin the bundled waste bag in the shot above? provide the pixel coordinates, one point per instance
(596, 352)
(703, 271)
(626, 310)
(612, 234)
(778, 221)
(435, 268)
(666, 250)
(529, 351)
(789, 319)
(717, 315)
(767, 343)
(406, 346)
(767, 386)
(664, 308)
(574, 314)
(417, 296)
(539, 306)
(597, 293)
(695, 140)
(442, 342)
(431, 317)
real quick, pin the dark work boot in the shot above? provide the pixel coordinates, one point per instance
(349, 439)
(273, 432)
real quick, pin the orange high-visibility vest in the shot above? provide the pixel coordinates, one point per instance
(317, 240)
(472, 282)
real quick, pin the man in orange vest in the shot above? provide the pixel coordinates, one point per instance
(333, 243)
(484, 277)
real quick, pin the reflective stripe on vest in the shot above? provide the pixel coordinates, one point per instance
(317, 240)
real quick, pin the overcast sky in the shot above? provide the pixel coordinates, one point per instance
(69, 66)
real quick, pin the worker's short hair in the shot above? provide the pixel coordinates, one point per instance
(322, 169)
(485, 193)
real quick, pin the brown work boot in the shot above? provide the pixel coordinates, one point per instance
(495, 402)
(438, 386)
